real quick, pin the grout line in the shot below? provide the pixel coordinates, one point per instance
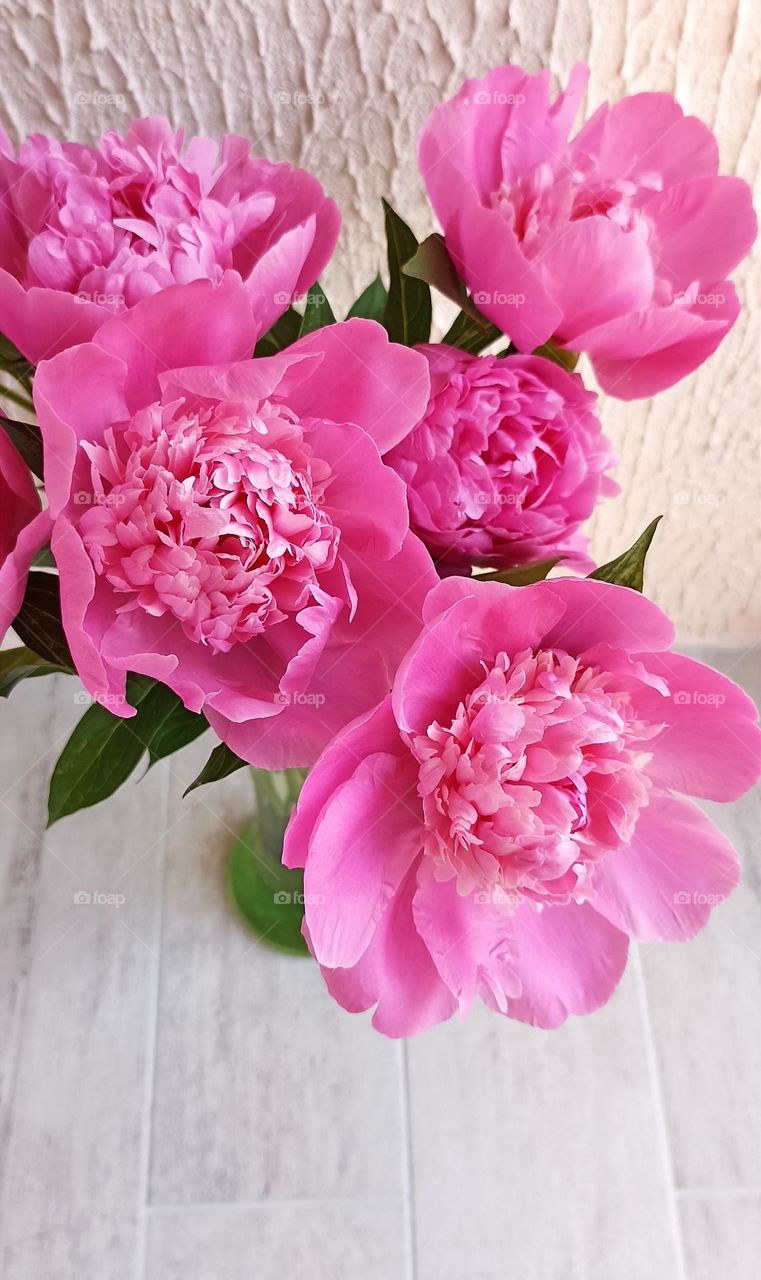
(719, 1193)
(656, 1089)
(152, 1032)
(408, 1171)
(274, 1202)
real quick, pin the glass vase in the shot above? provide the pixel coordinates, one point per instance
(268, 895)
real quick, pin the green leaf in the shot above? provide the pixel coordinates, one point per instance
(431, 262)
(38, 621)
(99, 756)
(28, 441)
(407, 315)
(44, 559)
(220, 764)
(16, 364)
(371, 303)
(471, 335)
(20, 664)
(566, 359)
(317, 312)
(267, 894)
(284, 331)
(173, 726)
(104, 749)
(523, 577)
(628, 570)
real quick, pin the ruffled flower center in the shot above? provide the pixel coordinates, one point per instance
(209, 516)
(502, 470)
(540, 204)
(536, 777)
(118, 223)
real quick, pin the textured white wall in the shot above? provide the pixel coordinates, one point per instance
(342, 86)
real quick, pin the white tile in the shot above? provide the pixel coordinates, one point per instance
(537, 1154)
(264, 1087)
(321, 1241)
(722, 1236)
(75, 1170)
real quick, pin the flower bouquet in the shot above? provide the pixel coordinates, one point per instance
(353, 555)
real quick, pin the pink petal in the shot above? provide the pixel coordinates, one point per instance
(506, 287)
(186, 324)
(647, 352)
(664, 884)
(371, 732)
(711, 746)
(395, 972)
(467, 938)
(446, 661)
(623, 275)
(602, 612)
(16, 565)
(66, 415)
(363, 378)
(363, 843)
(42, 322)
(646, 132)
(569, 960)
(703, 227)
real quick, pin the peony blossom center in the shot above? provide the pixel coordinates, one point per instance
(535, 778)
(542, 203)
(210, 517)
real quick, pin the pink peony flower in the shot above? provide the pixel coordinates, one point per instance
(617, 242)
(507, 463)
(507, 819)
(24, 529)
(89, 231)
(230, 528)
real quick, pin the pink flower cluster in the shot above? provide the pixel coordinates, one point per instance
(88, 231)
(499, 806)
(506, 464)
(512, 814)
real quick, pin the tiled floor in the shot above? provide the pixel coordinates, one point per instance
(178, 1103)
